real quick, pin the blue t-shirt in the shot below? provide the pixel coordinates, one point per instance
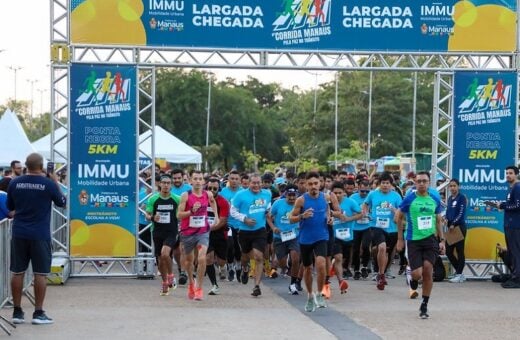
(142, 216)
(315, 228)
(382, 207)
(228, 194)
(180, 190)
(362, 223)
(252, 205)
(343, 230)
(31, 197)
(4, 212)
(281, 211)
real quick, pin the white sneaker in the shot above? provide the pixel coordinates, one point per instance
(389, 274)
(462, 278)
(457, 279)
(214, 290)
(292, 289)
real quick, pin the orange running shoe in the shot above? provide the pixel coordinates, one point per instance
(326, 291)
(191, 291)
(343, 286)
(199, 294)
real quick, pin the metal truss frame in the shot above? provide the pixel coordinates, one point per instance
(148, 59)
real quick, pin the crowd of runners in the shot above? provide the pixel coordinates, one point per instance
(313, 226)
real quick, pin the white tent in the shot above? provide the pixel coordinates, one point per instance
(43, 145)
(14, 144)
(169, 147)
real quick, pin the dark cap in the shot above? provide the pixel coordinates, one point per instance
(267, 177)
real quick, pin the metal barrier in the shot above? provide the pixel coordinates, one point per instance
(5, 249)
(5, 274)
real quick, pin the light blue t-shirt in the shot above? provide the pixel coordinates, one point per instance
(381, 213)
(281, 211)
(228, 194)
(343, 230)
(180, 190)
(253, 205)
(364, 222)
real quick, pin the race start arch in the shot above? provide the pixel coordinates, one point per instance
(104, 55)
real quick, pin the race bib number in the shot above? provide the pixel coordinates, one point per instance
(287, 235)
(211, 220)
(363, 220)
(425, 222)
(197, 221)
(343, 234)
(164, 217)
(382, 222)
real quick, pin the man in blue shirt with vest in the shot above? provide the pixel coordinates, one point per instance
(31, 197)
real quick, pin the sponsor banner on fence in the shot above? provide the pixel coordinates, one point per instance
(484, 140)
(103, 148)
(317, 25)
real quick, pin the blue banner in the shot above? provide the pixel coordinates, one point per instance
(103, 149)
(314, 25)
(484, 140)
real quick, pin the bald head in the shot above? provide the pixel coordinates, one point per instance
(34, 162)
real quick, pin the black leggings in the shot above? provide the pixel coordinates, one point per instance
(356, 256)
(458, 261)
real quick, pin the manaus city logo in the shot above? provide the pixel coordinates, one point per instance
(108, 88)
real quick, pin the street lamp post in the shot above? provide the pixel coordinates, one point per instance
(32, 81)
(369, 138)
(15, 69)
(336, 125)
(414, 117)
(207, 123)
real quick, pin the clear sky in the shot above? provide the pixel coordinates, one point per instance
(24, 39)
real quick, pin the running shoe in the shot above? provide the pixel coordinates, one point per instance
(332, 271)
(245, 276)
(191, 291)
(231, 275)
(320, 301)
(222, 274)
(423, 311)
(40, 318)
(199, 294)
(413, 294)
(347, 274)
(239, 275)
(380, 283)
(310, 306)
(256, 291)
(364, 272)
(183, 278)
(459, 278)
(214, 290)
(165, 289)
(383, 278)
(325, 291)
(298, 285)
(273, 274)
(292, 289)
(402, 270)
(18, 316)
(357, 275)
(343, 286)
(172, 282)
(389, 274)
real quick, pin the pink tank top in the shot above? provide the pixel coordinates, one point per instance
(196, 223)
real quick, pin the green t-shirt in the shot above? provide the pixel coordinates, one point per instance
(167, 210)
(421, 215)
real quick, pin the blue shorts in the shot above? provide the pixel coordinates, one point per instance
(37, 251)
